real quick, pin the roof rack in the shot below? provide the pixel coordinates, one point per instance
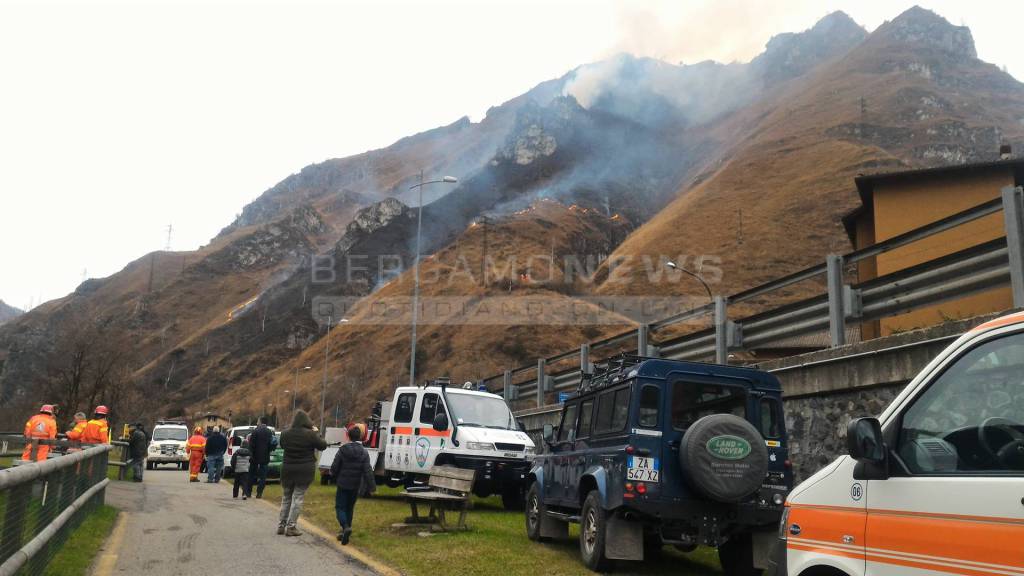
(611, 371)
(441, 382)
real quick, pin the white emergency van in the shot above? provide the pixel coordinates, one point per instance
(438, 424)
(167, 444)
(933, 486)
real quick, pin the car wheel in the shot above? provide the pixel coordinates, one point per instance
(736, 556)
(535, 511)
(149, 465)
(652, 545)
(512, 498)
(593, 523)
(325, 480)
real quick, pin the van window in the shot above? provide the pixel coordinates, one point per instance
(650, 402)
(692, 401)
(428, 408)
(404, 407)
(770, 418)
(586, 418)
(970, 420)
(178, 434)
(567, 431)
(612, 411)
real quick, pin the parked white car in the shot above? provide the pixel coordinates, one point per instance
(243, 433)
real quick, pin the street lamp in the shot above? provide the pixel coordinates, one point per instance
(673, 266)
(323, 387)
(416, 268)
(296, 387)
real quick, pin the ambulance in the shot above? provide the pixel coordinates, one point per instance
(933, 486)
(441, 425)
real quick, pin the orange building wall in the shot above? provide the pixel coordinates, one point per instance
(900, 206)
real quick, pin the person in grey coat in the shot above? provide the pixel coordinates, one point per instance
(240, 464)
(352, 474)
(300, 443)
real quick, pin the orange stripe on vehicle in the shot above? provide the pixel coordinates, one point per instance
(432, 432)
(1004, 321)
(402, 430)
(970, 538)
(829, 524)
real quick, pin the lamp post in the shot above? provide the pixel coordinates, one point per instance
(323, 386)
(416, 268)
(296, 387)
(696, 275)
(277, 417)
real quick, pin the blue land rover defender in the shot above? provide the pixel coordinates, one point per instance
(653, 452)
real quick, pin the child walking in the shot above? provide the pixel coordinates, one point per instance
(240, 461)
(352, 473)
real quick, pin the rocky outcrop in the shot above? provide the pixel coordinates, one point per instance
(369, 220)
(8, 312)
(793, 54)
(924, 28)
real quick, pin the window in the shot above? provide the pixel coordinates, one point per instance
(567, 431)
(971, 418)
(178, 434)
(770, 417)
(612, 411)
(650, 402)
(428, 408)
(692, 401)
(404, 409)
(586, 418)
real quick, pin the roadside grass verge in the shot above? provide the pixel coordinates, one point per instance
(495, 543)
(81, 547)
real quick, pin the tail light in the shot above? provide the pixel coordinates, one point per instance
(788, 463)
(641, 489)
(630, 449)
(629, 486)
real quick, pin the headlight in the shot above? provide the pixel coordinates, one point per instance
(530, 451)
(479, 446)
(154, 449)
(784, 523)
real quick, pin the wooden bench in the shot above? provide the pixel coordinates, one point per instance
(449, 489)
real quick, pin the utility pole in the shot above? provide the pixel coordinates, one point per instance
(170, 229)
(484, 221)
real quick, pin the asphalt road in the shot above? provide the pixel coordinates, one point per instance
(171, 527)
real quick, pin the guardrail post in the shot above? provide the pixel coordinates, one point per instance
(585, 366)
(836, 312)
(508, 390)
(1013, 218)
(721, 331)
(641, 340)
(541, 380)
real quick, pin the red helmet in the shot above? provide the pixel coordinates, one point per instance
(47, 409)
(102, 410)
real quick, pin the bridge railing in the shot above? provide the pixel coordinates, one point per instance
(41, 503)
(999, 262)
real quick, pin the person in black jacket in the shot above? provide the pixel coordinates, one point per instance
(353, 474)
(240, 464)
(138, 443)
(300, 443)
(261, 444)
(216, 447)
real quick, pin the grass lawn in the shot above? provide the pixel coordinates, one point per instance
(5, 462)
(78, 552)
(496, 541)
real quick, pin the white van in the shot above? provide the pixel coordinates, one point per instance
(933, 486)
(436, 425)
(167, 444)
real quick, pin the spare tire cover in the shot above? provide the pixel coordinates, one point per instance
(723, 457)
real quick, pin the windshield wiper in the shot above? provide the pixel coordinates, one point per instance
(471, 424)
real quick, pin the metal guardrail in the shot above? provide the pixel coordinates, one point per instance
(995, 263)
(41, 503)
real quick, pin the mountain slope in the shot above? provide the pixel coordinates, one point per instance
(8, 312)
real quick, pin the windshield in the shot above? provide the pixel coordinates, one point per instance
(473, 410)
(242, 433)
(178, 434)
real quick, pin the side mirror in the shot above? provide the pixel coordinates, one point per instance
(520, 426)
(440, 422)
(864, 440)
(549, 433)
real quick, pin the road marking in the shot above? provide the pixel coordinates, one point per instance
(106, 561)
(357, 555)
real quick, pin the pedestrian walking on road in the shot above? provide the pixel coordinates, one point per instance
(216, 447)
(300, 443)
(240, 464)
(353, 476)
(261, 443)
(196, 449)
(138, 442)
(97, 431)
(41, 426)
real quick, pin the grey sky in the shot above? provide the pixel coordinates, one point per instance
(119, 118)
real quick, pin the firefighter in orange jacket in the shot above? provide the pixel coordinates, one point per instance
(97, 431)
(78, 431)
(42, 426)
(196, 448)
